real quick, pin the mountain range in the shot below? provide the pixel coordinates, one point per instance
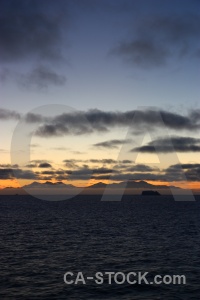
(131, 187)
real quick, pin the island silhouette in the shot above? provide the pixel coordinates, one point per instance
(150, 193)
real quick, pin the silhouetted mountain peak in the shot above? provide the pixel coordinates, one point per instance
(97, 185)
(48, 184)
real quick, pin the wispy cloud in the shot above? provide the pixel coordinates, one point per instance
(159, 38)
(6, 114)
(111, 144)
(103, 161)
(41, 77)
(3, 151)
(60, 148)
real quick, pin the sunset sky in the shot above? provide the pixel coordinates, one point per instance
(99, 90)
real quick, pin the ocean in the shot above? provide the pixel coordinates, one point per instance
(42, 240)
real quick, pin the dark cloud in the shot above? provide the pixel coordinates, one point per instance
(85, 173)
(144, 53)
(178, 172)
(31, 166)
(8, 166)
(47, 173)
(24, 174)
(190, 166)
(30, 29)
(177, 167)
(60, 172)
(101, 177)
(39, 161)
(32, 32)
(49, 130)
(79, 123)
(141, 168)
(45, 165)
(126, 161)
(53, 174)
(12, 173)
(94, 161)
(103, 161)
(102, 171)
(195, 115)
(193, 175)
(191, 171)
(158, 38)
(71, 163)
(166, 145)
(130, 176)
(163, 177)
(6, 114)
(33, 118)
(41, 77)
(111, 144)
(61, 177)
(6, 173)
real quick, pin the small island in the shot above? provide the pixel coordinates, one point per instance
(150, 193)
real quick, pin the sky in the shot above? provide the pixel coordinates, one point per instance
(95, 90)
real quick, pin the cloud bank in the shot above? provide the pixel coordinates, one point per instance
(80, 123)
(94, 121)
(129, 171)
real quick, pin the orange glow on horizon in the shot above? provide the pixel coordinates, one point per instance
(182, 184)
(9, 183)
(15, 184)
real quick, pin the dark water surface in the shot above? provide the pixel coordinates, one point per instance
(42, 240)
